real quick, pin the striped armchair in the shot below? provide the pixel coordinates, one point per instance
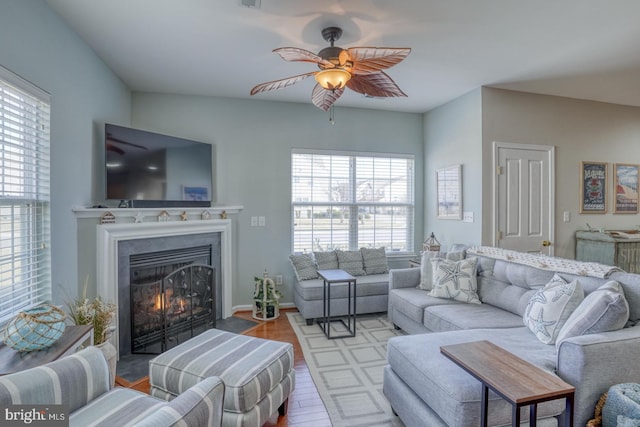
(81, 381)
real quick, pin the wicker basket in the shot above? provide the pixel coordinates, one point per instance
(35, 329)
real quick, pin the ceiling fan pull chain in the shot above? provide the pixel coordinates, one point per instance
(331, 116)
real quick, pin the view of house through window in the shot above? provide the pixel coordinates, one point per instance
(25, 278)
(349, 201)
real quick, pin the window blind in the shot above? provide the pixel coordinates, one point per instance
(349, 201)
(25, 270)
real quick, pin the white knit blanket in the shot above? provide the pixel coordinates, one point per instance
(544, 262)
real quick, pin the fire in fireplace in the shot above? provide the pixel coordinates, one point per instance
(172, 296)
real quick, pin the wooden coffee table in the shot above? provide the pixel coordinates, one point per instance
(514, 379)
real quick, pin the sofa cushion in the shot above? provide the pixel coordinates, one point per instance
(351, 262)
(468, 316)
(603, 310)
(550, 307)
(304, 266)
(450, 391)
(374, 284)
(412, 302)
(375, 260)
(455, 280)
(326, 260)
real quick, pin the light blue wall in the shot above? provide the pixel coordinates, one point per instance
(453, 135)
(38, 46)
(253, 141)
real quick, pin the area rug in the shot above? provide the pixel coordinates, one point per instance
(348, 371)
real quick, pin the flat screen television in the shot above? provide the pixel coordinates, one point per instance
(147, 169)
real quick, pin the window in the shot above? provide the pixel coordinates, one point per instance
(349, 201)
(25, 272)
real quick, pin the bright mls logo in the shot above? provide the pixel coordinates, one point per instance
(34, 415)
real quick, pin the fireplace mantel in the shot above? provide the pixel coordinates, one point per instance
(108, 236)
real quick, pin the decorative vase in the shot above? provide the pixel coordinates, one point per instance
(35, 329)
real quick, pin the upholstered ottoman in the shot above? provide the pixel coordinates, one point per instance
(258, 374)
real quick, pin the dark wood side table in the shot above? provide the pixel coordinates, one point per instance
(73, 337)
(514, 379)
(338, 276)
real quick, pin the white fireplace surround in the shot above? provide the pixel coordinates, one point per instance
(108, 236)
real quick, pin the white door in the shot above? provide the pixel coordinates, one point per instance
(524, 197)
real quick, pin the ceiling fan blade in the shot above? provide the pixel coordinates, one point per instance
(111, 147)
(367, 60)
(378, 85)
(297, 54)
(323, 98)
(279, 84)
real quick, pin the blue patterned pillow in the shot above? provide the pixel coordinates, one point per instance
(455, 280)
(550, 307)
(326, 260)
(304, 266)
(375, 260)
(351, 262)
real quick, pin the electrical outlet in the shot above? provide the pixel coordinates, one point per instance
(261, 221)
(254, 221)
(279, 279)
(566, 216)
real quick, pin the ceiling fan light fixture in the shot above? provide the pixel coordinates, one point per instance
(333, 78)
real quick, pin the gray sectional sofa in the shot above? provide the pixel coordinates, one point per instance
(368, 266)
(598, 346)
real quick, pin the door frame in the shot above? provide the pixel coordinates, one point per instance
(551, 154)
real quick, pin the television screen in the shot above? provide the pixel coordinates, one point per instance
(151, 169)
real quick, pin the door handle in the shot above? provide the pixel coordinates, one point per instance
(546, 243)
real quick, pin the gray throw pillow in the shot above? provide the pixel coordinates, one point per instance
(603, 310)
(326, 260)
(351, 262)
(455, 280)
(550, 307)
(304, 266)
(375, 260)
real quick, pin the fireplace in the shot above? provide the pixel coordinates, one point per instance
(172, 297)
(118, 242)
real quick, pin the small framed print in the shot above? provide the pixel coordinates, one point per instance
(625, 189)
(449, 192)
(195, 193)
(593, 187)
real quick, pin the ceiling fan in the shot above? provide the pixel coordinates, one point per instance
(112, 147)
(358, 68)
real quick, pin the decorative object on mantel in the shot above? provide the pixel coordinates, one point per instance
(223, 215)
(205, 215)
(35, 329)
(163, 217)
(266, 297)
(138, 218)
(184, 216)
(431, 244)
(108, 218)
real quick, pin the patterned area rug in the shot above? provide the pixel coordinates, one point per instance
(348, 371)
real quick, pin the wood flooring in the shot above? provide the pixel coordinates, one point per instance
(305, 406)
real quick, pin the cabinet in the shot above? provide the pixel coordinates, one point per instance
(608, 249)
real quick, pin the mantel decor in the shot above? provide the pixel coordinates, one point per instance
(449, 192)
(593, 187)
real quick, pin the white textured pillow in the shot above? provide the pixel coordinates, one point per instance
(550, 307)
(426, 269)
(603, 310)
(455, 280)
(304, 266)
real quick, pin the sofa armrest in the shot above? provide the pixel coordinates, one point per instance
(593, 363)
(200, 405)
(404, 278)
(74, 380)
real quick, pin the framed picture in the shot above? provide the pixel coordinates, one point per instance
(449, 192)
(195, 193)
(593, 187)
(625, 190)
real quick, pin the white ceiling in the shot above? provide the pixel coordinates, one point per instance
(588, 49)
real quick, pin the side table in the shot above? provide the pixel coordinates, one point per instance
(73, 337)
(514, 379)
(338, 276)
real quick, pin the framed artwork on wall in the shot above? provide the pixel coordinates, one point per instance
(625, 189)
(593, 187)
(195, 193)
(449, 192)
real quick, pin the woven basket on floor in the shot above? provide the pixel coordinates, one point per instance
(35, 329)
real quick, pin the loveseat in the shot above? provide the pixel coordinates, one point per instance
(369, 267)
(81, 382)
(592, 343)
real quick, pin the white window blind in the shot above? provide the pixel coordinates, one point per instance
(349, 201)
(25, 270)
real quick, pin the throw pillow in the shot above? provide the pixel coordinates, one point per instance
(375, 260)
(426, 270)
(455, 280)
(550, 307)
(326, 260)
(304, 266)
(603, 310)
(351, 262)
(622, 421)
